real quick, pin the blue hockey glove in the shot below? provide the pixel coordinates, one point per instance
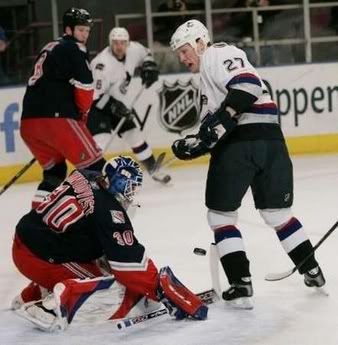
(189, 147)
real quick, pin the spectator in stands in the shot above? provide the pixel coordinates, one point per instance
(239, 29)
(240, 26)
(334, 19)
(166, 25)
(3, 46)
(164, 28)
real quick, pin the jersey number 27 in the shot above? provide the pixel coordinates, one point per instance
(234, 63)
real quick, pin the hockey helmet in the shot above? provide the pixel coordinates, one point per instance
(189, 32)
(123, 177)
(118, 34)
(76, 16)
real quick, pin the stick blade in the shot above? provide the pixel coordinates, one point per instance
(272, 277)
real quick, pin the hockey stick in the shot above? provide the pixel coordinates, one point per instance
(123, 119)
(207, 297)
(158, 163)
(18, 174)
(214, 269)
(169, 162)
(114, 133)
(172, 160)
(279, 276)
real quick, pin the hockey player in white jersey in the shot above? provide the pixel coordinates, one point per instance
(240, 129)
(113, 68)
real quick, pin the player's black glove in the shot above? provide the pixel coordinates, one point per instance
(149, 73)
(189, 147)
(215, 127)
(124, 85)
(119, 109)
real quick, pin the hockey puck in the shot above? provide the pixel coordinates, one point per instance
(200, 251)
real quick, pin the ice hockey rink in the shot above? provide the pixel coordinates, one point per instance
(171, 222)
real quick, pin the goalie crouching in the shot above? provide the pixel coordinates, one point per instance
(79, 250)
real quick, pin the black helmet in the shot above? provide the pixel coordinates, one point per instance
(76, 16)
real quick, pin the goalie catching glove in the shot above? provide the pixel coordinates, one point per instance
(149, 73)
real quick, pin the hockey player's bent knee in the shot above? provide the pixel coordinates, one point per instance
(178, 299)
(276, 217)
(218, 219)
(53, 176)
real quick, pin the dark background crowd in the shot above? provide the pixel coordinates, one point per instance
(270, 31)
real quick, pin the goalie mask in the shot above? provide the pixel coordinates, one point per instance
(189, 33)
(123, 177)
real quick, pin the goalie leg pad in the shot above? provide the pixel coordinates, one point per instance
(178, 299)
(73, 293)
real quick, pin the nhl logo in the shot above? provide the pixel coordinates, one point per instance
(178, 106)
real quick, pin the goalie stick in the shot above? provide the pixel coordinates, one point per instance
(282, 275)
(208, 297)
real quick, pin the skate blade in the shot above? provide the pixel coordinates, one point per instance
(321, 291)
(245, 303)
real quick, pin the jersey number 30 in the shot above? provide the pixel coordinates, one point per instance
(63, 211)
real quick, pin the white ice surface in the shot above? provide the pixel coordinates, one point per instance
(171, 222)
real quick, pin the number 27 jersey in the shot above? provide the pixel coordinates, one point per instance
(225, 67)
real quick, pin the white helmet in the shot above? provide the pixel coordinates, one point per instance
(118, 34)
(189, 32)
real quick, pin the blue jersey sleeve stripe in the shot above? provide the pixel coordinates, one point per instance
(244, 78)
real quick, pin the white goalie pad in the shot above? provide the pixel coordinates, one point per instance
(101, 305)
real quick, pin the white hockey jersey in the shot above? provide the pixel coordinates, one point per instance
(223, 67)
(110, 75)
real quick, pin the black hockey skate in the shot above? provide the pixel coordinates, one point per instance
(314, 278)
(239, 294)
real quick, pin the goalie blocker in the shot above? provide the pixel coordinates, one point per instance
(104, 298)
